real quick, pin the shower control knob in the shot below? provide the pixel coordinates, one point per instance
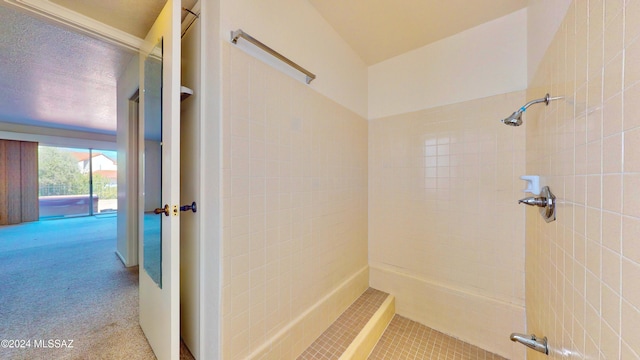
(547, 203)
(533, 201)
(532, 341)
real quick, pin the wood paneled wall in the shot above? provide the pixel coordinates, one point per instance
(29, 181)
(18, 182)
(14, 185)
(4, 206)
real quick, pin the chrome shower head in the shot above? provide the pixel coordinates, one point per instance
(514, 119)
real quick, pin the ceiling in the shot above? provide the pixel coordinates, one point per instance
(131, 16)
(55, 77)
(52, 76)
(381, 29)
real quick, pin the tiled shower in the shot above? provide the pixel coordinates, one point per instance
(319, 203)
(445, 234)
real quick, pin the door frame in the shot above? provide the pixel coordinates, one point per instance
(132, 180)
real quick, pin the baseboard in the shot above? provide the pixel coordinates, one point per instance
(476, 319)
(311, 323)
(124, 262)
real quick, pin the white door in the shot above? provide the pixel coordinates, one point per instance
(160, 267)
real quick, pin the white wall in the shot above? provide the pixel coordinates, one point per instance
(102, 162)
(487, 60)
(127, 244)
(190, 190)
(543, 19)
(296, 30)
(210, 174)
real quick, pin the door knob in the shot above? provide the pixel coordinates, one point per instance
(164, 210)
(191, 207)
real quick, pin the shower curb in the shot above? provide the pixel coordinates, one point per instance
(355, 333)
(368, 337)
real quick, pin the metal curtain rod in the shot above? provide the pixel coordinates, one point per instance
(241, 34)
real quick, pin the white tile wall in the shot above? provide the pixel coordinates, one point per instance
(583, 269)
(446, 235)
(294, 210)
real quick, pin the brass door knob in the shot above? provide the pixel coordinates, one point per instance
(164, 210)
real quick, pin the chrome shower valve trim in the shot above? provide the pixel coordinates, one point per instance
(546, 201)
(531, 341)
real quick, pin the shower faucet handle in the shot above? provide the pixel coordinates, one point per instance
(546, 202)
(531, 341)
(534, 201)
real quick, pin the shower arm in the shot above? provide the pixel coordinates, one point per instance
(546, 99)
(515, 119)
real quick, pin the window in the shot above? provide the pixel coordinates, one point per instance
(75, 182)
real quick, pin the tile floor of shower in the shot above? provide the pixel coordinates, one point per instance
(407, 339)
(403, 338)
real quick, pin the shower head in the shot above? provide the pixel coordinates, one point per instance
(515, 119)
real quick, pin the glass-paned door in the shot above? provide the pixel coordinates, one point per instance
(76, 182)
(63, 176)
(104, 171)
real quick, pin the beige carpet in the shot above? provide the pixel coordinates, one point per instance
(72, 289)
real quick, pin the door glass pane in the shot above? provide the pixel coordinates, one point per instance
(104, 165)
(152, 98)
(63, 176)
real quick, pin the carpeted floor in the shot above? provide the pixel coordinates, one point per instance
(60, 280)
